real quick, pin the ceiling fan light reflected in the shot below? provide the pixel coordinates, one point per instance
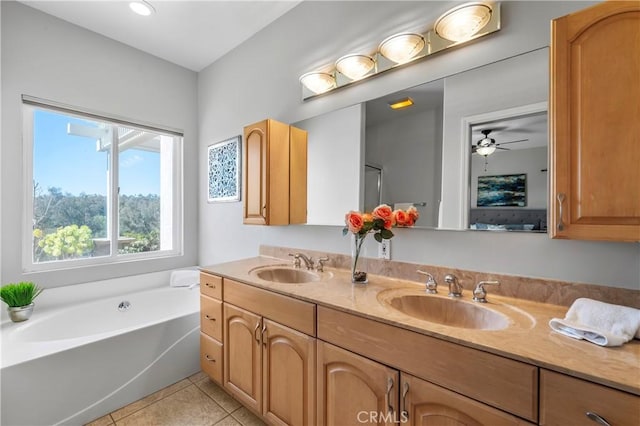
(141, 7)
(462, 22)
(355, 66)
(486, 150)
(403, 47)
(318, 82)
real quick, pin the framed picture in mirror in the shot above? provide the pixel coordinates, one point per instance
(502, 190)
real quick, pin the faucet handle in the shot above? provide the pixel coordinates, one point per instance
(479, 293)
(320, 265)
(431, 284)
(296, 259)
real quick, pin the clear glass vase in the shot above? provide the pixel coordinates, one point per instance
(358, 264)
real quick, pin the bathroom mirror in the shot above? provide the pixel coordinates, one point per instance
(419, 155)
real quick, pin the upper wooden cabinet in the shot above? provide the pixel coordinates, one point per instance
(595, 123)
(274, 174)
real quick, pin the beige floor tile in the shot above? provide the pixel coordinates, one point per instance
(247, 418)
(102, 421)
(189, 406)
(219, 395)
(228, 421)
(148, 400)
(198, 376)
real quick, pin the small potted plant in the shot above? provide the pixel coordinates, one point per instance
(19, 297)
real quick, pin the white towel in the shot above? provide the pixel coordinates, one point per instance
(402, 206)
(185, 278)
(601, 323)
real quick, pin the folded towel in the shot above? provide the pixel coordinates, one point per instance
(601, 323)
(185, 278)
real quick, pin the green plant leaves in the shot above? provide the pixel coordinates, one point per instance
(20, 294)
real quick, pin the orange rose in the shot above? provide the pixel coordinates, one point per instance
(402, 217)
(354, 221)
(385, 213)
(413, 213)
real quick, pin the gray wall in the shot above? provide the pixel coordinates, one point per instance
(49, 58)
(265, 70)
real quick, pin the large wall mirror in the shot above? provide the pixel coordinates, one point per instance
(424, 155)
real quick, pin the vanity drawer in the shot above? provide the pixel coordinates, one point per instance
(503, 383)
(565, 400)
(294, 313)
(211, 357)
(211, 317)
(211, 285)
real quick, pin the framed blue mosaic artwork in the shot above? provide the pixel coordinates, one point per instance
(224, 171)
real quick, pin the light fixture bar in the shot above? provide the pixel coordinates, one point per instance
(477, 20)
(402, 103)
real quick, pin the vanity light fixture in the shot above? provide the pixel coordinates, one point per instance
(401, 103)
(318, 82)
(142, 7)
(403, 47)
(459, 25)
(463, 22)
(355, 66)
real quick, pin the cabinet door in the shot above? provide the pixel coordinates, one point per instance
(211, 317)
(594, 125)
(255, 172)
(288, 375)
(242, 350)
(566, 400)
(423, 403)
(353, 390)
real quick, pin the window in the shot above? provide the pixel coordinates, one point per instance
(101, 190)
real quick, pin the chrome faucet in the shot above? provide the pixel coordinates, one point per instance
(308, 261)
(431, 284)
(455, 289)
(320, 264)
(479, 293)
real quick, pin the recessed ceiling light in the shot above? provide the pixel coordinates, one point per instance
(142, 7)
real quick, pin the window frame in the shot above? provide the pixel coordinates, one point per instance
(29, 105)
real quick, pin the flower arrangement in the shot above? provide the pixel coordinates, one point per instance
(379, 222)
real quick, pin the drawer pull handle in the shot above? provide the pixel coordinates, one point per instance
(209, 359)
(405, 391)
(596, 418)
(255, 332)
(389, 388)
(560, 197)
(262, 334)
(213, 286)
(209, 318)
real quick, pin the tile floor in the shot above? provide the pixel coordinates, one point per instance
(193, 401)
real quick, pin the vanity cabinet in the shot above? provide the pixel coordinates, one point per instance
(270, 357)
(422, 403)
(354, 390)
(498, 383)
(566, 400)
(594, 126)
(274, 174)
(211, 347)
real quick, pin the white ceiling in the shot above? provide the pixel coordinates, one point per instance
(190, 33)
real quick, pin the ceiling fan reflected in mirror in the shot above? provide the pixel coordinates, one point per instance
(487, 146)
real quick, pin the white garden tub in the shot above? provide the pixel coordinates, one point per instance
(71, 364)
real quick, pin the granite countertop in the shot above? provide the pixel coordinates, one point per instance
(528, 338)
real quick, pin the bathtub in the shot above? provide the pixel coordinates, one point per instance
(72, 364)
